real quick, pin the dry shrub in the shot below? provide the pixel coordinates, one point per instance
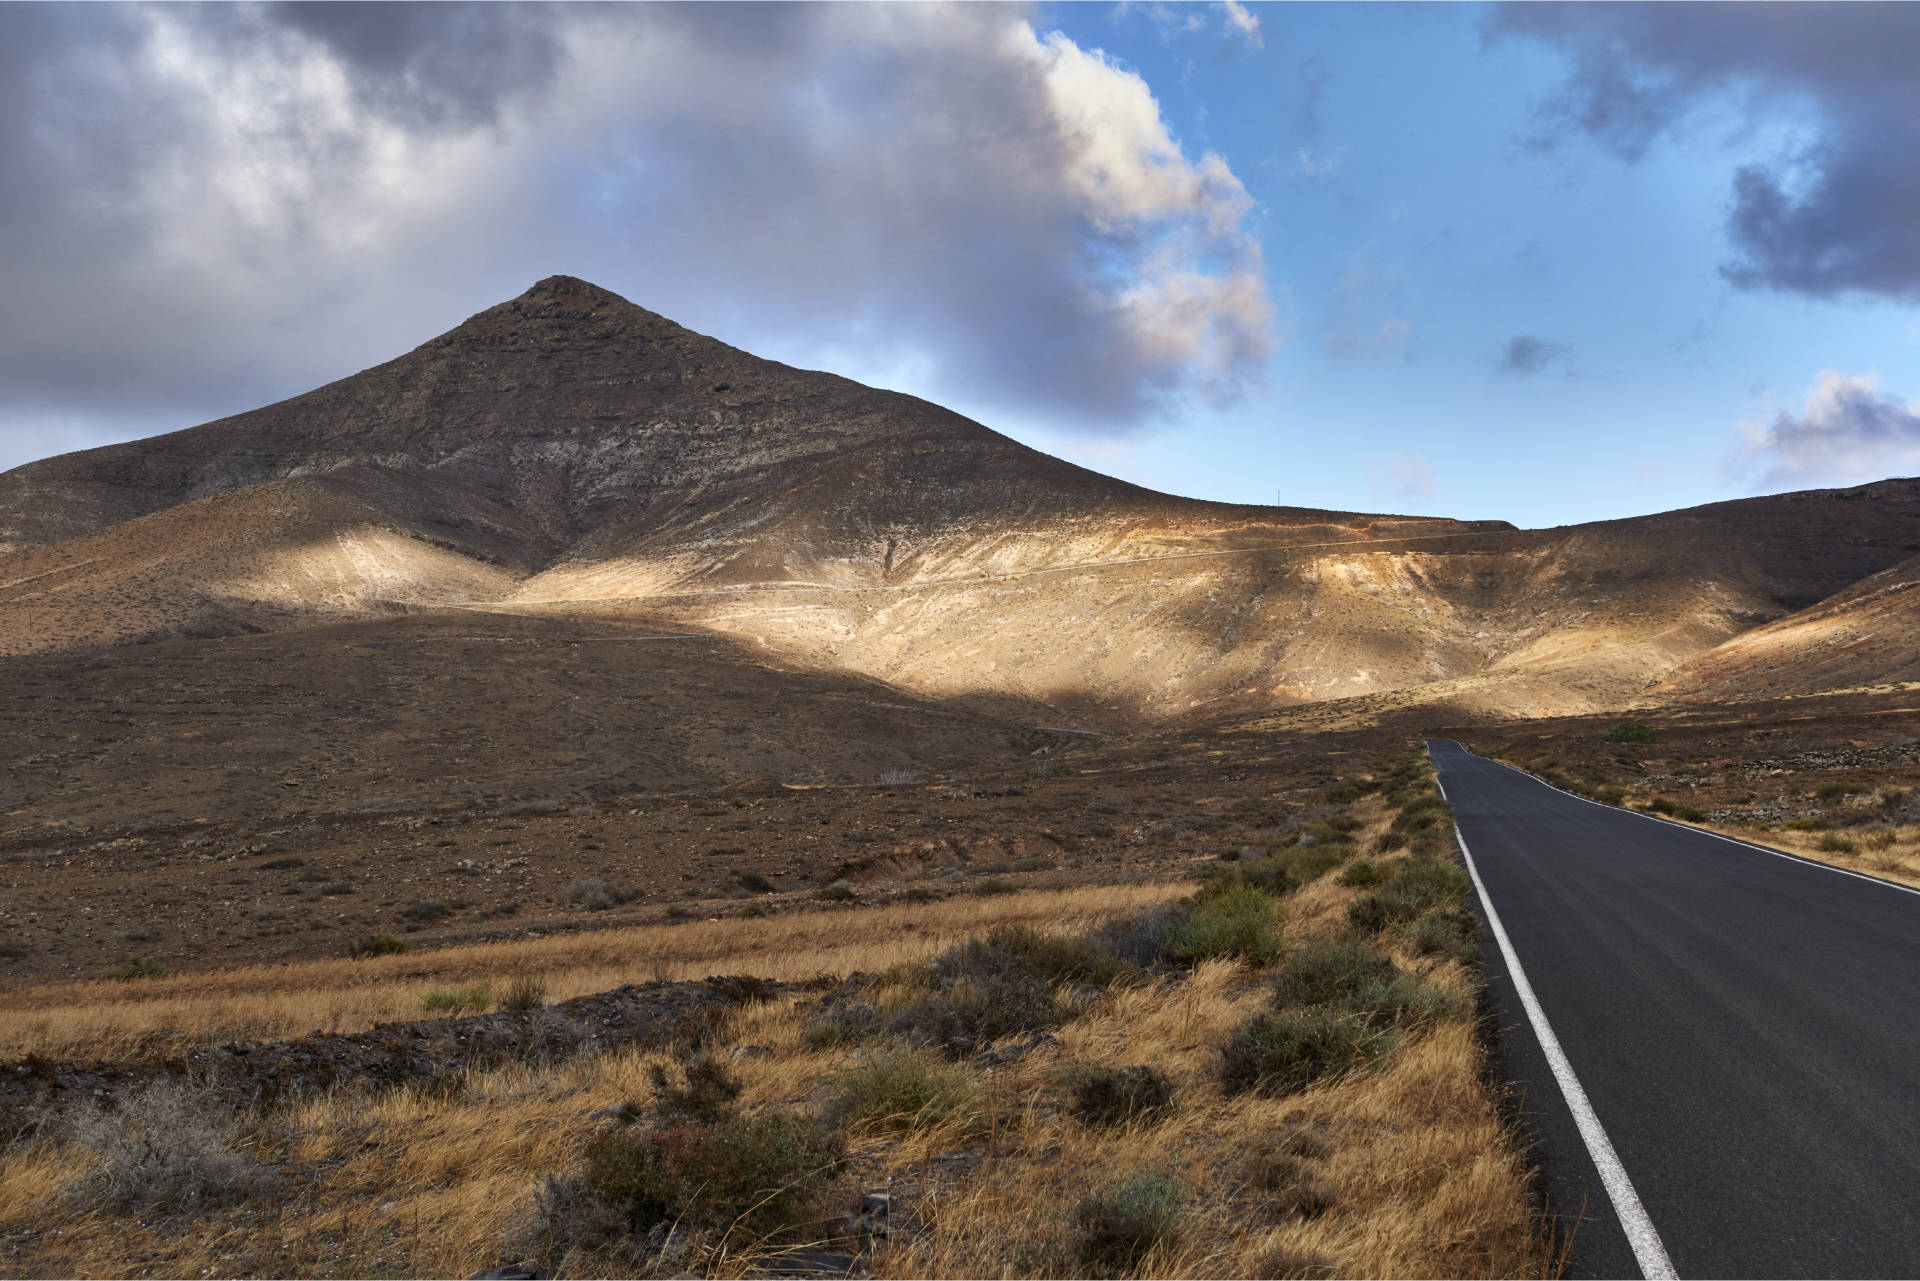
(1293, 1188)
(524, 993)
(768, 1175)
(706, 1091)
(597, 895)
(1107, 1096)
(163, 1148)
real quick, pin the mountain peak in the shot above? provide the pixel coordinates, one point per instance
(565, 313)
(570, 289)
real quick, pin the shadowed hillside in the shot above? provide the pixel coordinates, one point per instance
(570, 452)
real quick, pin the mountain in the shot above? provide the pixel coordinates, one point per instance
(1867, 635)
(570, 453)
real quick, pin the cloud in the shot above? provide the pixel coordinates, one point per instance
(1242, 23)
(1831, 217)
(1404, 476)
(209, 207)
(1179, 21)
(1525, 355)
(1848, 432)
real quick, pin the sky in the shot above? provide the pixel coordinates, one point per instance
(1542, 263)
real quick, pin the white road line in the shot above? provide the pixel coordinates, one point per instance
(1701, 831)
(1648, 1251)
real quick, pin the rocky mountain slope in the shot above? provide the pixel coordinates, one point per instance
(1864, 636)
(568, 452)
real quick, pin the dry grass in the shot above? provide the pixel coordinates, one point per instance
(1414, 1174)
(1896, 860)
(269, 1003)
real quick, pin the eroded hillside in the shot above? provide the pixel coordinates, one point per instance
(570, 453)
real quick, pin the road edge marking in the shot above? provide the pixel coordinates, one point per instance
(1648, 1250)
(1801, 859)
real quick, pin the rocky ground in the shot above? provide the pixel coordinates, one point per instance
(461, 778)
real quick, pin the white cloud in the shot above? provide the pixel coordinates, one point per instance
(1848, 432)
(1243, 23)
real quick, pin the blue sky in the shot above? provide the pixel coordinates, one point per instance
(1437, 212)
(1546, 263)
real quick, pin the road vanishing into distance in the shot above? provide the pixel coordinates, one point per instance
(1717, 1047)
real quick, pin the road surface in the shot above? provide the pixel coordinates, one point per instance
(1744, 1027)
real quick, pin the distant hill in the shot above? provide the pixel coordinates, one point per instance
(569, 452)
(1867, 635)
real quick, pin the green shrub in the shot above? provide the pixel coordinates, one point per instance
(1675, 809)
(1351, 790)
(1404, 1000)
(1306, 865)
(1374, 912)
(137, 967)
(1330, 972)
(1123, 1224)
(1446, 932)
(906, 1089)
(1630, 732)
(1226, 920)
(1430, 881)
(1362, 875)
(1423, 813)
(1834, 843)
(995, 885)
(375, 945)
(1388, 841)
(459, 1000)
(1118, 1095)
(838, 892)
(1283, 1051)
(766, 1175)
(1805, 825)
(1347, 976)
(1268, 874)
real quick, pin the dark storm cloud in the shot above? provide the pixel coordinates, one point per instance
(209, 207)
(1840, 214)
(1524, 355)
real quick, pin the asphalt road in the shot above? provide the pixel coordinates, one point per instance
(1745, 1028)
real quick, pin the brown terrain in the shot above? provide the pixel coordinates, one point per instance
(577, 647)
